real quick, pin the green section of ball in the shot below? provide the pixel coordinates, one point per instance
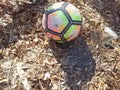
(62, 16)
(72, 32)
(77, 18)
(49, 8)
(73, 12)
(69, 32)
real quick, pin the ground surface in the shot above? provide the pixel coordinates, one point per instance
(29, 61)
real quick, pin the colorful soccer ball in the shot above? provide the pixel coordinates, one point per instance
(62, 22)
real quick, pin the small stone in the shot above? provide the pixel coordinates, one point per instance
(111, 32)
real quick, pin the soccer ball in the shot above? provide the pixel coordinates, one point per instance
(62, 22)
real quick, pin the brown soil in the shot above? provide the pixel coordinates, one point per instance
(28, 60)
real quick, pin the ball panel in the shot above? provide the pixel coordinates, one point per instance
(55, 37)
(73, 12)
(49, 8)
(72, 32)
(57, 21)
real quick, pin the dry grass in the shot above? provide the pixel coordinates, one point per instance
(29, 61)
